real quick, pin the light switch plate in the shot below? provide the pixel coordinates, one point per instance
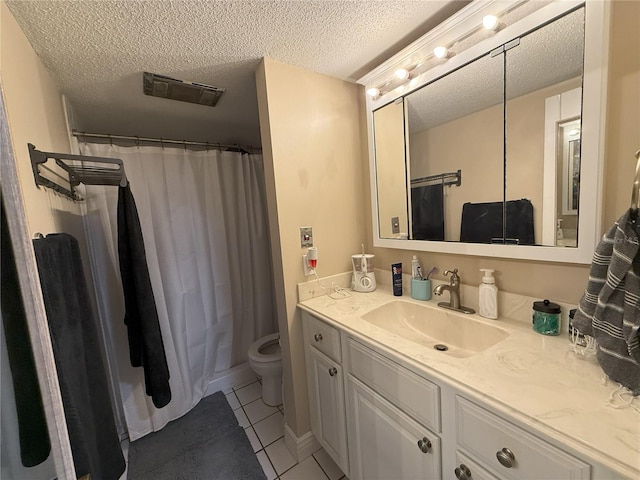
(395, 225)
(306, 237)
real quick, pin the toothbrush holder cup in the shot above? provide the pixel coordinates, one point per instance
(420, 289)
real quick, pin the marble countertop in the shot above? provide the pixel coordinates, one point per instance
(536, 378)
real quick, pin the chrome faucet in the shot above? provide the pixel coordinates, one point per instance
(454, 293)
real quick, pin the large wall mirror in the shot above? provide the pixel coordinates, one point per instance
(486, 153)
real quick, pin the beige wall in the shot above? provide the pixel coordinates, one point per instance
(35, 115)
(623, 108)
(314, 152)
(557, 281)
(34, 108)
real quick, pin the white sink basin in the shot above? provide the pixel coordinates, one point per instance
(461, 335)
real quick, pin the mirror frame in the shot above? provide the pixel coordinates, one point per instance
(596, 54)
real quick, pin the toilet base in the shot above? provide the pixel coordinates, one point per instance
(272, 390)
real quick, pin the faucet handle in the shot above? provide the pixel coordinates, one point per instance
(454, 275)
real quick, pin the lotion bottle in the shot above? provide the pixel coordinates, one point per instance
(488, 295)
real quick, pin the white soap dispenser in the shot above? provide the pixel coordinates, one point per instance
(488, 295)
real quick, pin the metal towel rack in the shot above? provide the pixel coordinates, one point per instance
(73, 170)
(635, 194)
(447, 179)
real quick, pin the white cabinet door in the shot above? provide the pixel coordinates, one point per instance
(384, 443)
(327, 407)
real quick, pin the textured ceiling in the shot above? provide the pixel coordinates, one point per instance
(97, 50)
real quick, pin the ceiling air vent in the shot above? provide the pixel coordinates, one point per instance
(183, 91)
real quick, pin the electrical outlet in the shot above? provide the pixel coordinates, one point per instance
(306, 237)
(395, 225)
(308, 271)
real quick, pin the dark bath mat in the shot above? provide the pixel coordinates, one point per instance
(205, 444)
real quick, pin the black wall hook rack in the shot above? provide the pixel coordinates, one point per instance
(68, 171)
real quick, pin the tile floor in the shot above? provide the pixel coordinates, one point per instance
(264, 426)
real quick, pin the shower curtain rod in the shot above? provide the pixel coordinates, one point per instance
(185, 143)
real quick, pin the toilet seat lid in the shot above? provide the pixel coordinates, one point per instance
(257, 356)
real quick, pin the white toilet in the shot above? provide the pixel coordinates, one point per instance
(265, 359)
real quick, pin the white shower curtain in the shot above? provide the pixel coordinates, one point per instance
(204, 222)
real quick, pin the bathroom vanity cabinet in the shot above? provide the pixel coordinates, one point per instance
(381, 416)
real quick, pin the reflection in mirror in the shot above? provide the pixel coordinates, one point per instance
(543, 78)
(24, 438)
(388, 124)
(552, 51)
(569, 134)
(456, 123)
(13, 456)
(459, 122)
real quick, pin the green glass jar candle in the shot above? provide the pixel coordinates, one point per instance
(546, 317)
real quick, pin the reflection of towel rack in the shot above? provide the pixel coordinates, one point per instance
(73, 170)
(635, 194)
(447, 179)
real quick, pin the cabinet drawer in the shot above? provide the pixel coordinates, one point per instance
(487, 436)
(413, 394)
(322, 336)
(470, 470)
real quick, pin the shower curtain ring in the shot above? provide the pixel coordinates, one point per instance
(137, 141)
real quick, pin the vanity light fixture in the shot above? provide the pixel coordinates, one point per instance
(440, 52)
(490, 22)
(402, 73)
(373, 91)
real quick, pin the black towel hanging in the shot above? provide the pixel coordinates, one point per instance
(95, 444)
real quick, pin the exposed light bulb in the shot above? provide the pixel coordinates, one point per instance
(440, 52)
(402, 73)
(373, 92)
(489, 22)
(574, 131)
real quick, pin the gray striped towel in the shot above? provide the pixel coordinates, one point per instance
(609, 310)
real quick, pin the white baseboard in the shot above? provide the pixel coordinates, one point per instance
(300, 447)
(225, 381)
